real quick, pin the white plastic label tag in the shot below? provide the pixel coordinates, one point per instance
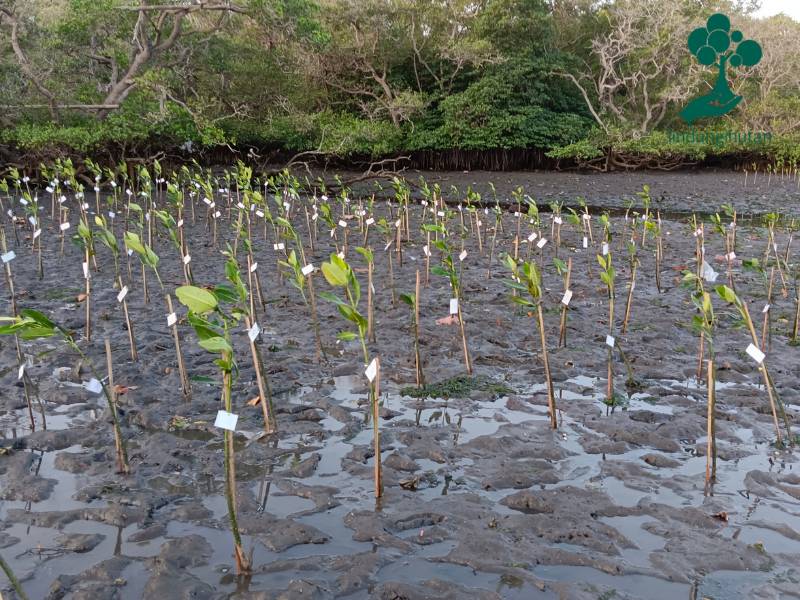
(172, 318)
(567, 297)
(342, 223)
(253, 332)
(463, 255)
(64, 226)
(610, 341)
(122, 293)
(541, 243)
(8, 257)
(94, 386)
(756, 354)
(372, 370)
(187, 259)
(370, 221)
(226, 420)
(453, 306)
(309, 268)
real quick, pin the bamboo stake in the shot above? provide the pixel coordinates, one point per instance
(264, 394)
(562, 337)
(711, 443)
(185, 385)
(551, 399)
(417, 357)
(88, 300)
(376, 429)
(111, 396)
(129, 323)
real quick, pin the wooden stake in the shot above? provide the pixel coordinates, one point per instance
(562, 338)
(264, 395)
(185, 385)
(711, 443)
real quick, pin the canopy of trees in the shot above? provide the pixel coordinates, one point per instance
(596, 82)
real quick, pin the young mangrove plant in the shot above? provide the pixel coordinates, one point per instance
(758, 355)
(413, 302)
(31, 325)
(526, 278)
(703, 323)
(340, 275)
(213, 325)
(448, 269)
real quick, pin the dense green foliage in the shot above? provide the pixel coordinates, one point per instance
(596, 83)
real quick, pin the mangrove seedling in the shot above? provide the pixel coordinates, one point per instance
(31, 325)
(213, 327)
(526, 278)
(339, 274)
(757, 354)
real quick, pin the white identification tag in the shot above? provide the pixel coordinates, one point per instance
(187, 259)
(226, 420)
(567, 297)
(172, 318)
(610, 341)
(370, 221)
(253, 332)
(94, 386)
(756, 354)
(372, 370)
(8, 257)
(309, 268)
(453, 306)
(342, 223)
(64, 226)
(541, 243)
(463, 255)
(122, 293)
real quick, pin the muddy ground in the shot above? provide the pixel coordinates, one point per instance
(482, 499)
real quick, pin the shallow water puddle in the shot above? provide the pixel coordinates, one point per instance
(460, 422)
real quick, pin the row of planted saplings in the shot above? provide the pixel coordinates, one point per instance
(443, 228)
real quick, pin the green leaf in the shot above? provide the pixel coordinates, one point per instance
(347, 336)
(727, 294)
(408, 299)
(37, 317)
(32, 332)
(330, 297)
(133, 242)
(202, 327)
(335, 275)
(196, 299)
(225, 293)
(216, 344)
(521, 300)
